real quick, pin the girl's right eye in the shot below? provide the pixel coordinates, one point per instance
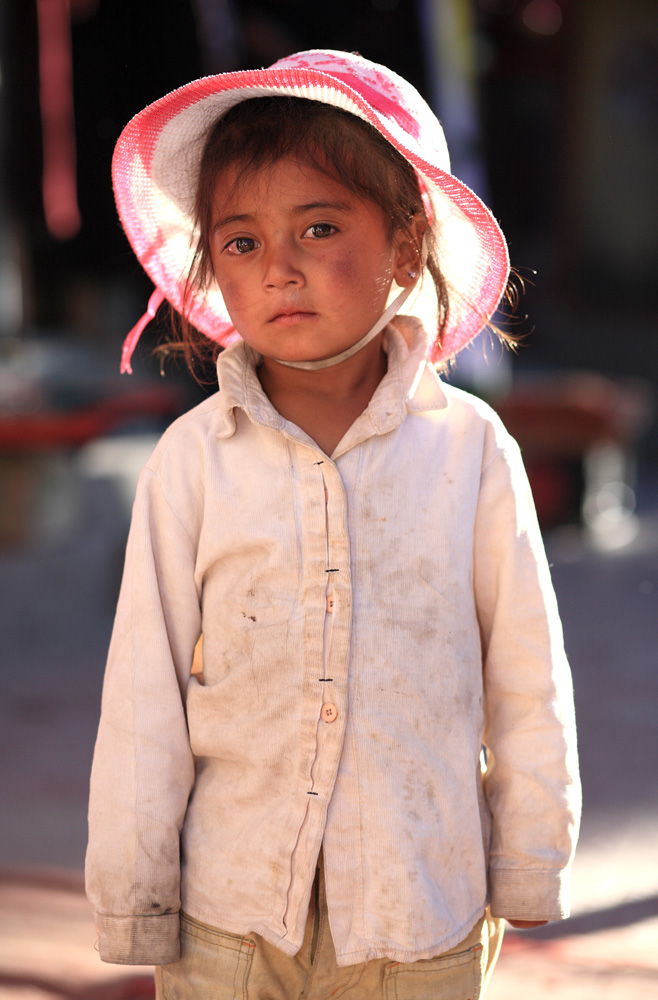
(241, 245)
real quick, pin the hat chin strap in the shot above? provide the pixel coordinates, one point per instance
(385, 318)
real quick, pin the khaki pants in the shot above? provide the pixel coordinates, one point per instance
(219, 966)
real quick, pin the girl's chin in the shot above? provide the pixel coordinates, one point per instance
(297, 341)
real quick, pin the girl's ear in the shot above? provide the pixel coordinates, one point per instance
(407, 257)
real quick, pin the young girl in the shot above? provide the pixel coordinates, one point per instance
(377, 760)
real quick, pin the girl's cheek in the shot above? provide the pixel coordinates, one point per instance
(234, 292)
(344, 269)
(351, 270)
(241, 301)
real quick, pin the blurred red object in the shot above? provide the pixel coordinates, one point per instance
(60, 201)
(559, 419)
(73, 428)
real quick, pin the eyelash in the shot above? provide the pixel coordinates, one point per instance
(249, 239)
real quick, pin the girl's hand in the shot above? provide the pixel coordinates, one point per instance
(525, 924)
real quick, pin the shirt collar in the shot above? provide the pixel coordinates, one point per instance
(410, 385)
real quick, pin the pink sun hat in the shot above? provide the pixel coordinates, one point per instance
(156, 165)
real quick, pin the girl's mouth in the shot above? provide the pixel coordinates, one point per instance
(290, 318)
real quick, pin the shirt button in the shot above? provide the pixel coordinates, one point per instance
(330, 605)
(329, 712)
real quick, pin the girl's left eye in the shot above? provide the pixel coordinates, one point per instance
(320, 230)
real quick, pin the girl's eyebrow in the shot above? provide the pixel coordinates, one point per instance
(335, 206)
(228, 220)
(340, 206)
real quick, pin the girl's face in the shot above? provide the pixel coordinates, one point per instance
(304, 265)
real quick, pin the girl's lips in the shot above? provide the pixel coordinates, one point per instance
(290, 318)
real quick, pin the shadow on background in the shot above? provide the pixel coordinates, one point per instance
(621, 915)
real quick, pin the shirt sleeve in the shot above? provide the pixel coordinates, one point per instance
(531, 781)
(143, 770)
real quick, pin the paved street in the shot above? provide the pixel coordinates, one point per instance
(55, 616)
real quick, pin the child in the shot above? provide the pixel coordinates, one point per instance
(384, 706)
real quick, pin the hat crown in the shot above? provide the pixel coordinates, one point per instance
(389, 95)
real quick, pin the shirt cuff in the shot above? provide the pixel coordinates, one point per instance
(530, 895)
(139, 940)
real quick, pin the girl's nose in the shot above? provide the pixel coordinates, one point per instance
(281, 269)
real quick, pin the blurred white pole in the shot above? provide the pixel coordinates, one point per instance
(449, 41)
(219, 35)
(447, 30)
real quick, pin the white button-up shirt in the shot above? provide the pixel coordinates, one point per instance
(370, 620)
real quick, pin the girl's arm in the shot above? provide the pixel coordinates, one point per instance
(143, 771)
(532, 784)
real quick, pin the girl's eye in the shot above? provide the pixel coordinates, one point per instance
(320, 230)
(241, 245)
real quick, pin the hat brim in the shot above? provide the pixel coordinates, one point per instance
(156, 165)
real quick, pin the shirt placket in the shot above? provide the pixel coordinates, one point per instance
(327, 612)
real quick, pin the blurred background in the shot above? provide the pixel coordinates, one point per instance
(551, 113)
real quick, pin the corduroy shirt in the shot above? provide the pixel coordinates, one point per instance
(371, 620)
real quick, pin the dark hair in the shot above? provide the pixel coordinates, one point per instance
(261, 131)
